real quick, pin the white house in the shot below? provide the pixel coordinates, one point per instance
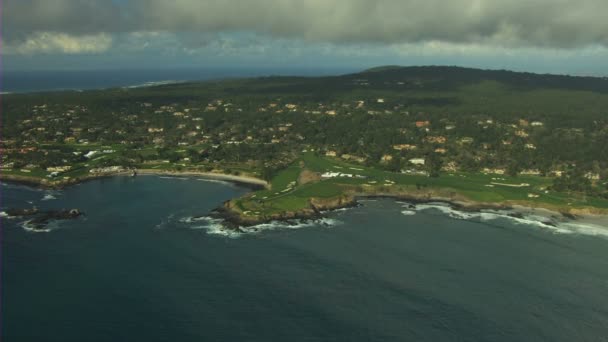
(417, 161)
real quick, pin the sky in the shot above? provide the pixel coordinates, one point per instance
(554, 36)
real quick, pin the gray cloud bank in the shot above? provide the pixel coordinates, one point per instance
(514, 23)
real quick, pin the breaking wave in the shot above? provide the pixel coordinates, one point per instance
(173, 177)
(215, 226)
(553, 224)
(30, 228)
(48, 197)
(217, 181)
(153, 84)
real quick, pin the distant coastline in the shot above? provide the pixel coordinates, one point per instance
(60, 184)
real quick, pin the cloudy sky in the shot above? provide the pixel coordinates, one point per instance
(562, 36)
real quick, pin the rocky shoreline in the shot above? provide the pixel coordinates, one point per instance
(233, 219)
(39, 219)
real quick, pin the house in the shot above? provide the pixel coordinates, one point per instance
(331, 112)
(155, 130)
(386, 158)
(59, 168)
(380, 100)
(494, 171)
(523, 123)
(404, 147)
(531, 172)
(441, 150)
(422, 124)
(450, 167)
(336, 174)
(592, 176)
(521, 133)
(530, 146)
(537, 124)
(417, 161)
(331, 153)
(466, 140)
(436, 140)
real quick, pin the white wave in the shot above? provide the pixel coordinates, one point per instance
(48, 197)
(153, 84)
(527, 220)
(212, 226)
(408, 212)
(173, 177)
(29, 228)
(215, 181)
(586, 229)
(215, 226)
(4, 214)
(293, 224)
(19, 187)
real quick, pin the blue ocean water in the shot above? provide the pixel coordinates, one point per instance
(141, 267)
(33, 81)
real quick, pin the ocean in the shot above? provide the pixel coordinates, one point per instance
(37, 81)
(141, 266)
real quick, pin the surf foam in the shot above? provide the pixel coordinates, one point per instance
(538, 221)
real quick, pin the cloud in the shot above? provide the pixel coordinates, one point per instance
(562, 24)
(49, 43)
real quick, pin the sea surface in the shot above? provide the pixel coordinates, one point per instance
(141, 266)
(35, 81)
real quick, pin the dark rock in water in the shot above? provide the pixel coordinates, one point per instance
(549, 223)
(22, 212)
(43, 218)
(568, 215)
(516, 215)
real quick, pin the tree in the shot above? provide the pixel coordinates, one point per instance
(434, 163)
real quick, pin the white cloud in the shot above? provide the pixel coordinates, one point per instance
(52, 43)
(502, 23)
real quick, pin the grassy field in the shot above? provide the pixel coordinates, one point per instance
(286, 194)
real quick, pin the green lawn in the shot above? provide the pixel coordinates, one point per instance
(476, 186)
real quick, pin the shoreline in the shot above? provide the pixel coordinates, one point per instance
(234, 219)
(42, 183)
(318, 208)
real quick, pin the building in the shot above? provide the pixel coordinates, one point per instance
(386, 158)
(436, 140)
(404, 147)
(417, 161)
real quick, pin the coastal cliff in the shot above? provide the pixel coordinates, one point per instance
(234, 217)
